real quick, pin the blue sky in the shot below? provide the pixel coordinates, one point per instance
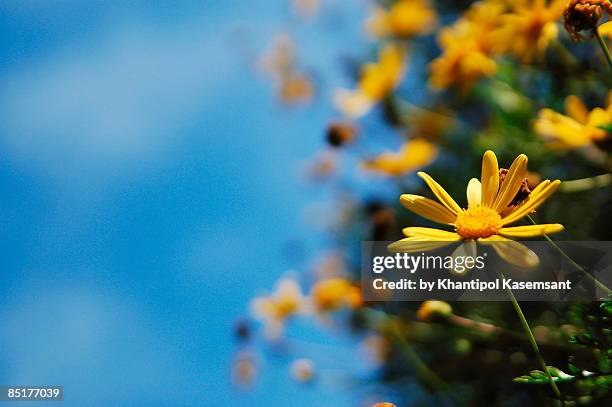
(149, 183)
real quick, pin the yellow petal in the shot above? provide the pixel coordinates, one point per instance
(431, 234)
(576, 109)
(428, 209)
(531, 230)
(414, 154)
(537, 197)
(512, 252)
(512, 183)
(489, 178)
(474, 192)
(352, 103)
(605, 30)
(598, 117)
(415, 244)
(441, 194)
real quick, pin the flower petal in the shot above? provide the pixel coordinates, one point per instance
(428, 209)
(474, 192)
(531, 230)
(605, 29)
(537, 197)
(353, 104)
(512, 252)
(512, 183)
(489, 178)
(441, 194)
(415, 244)
(576, 109)
(431, 233)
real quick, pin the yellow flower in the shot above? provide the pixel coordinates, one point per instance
(286, 301)
(578, 129)
(492, 206)
(334, 293)
(430, 309)
(530, 26)
(294, 86)
(302, 370)
(467, 48)
(376, 82)
(414, 154)
(405, 18)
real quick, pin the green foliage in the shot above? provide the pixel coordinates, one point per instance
(539, 377)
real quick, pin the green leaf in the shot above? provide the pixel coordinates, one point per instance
(539, 377)
(606, 127)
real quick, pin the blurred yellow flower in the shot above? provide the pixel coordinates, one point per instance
(376, 82)
(431, 308)
(467, 48)
(579, 128)
(293, 86)
(492, 206)
(302, 370)
(244, 370)
(306, 8)
(529, 27)
(405, 18)
(334, 293)
(414, 154)
(286, 301)
(296, 88)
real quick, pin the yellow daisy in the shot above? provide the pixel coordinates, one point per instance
(377, 81)
(405, 18)
(414, 154)
(579, 128)
(467, 48)
(529, 28)
(492, 206)
(334, 293)
(273, 310)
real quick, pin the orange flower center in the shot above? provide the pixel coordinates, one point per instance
(478, 222)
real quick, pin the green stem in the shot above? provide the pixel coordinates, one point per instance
(422, 370)
(598, 283)
(603, 46)
(534, 345)
(584, 184)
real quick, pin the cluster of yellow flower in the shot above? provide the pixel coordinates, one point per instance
(327, 295)
(522, 28)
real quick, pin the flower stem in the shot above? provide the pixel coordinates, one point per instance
(534, 345)
(422, 370)
(598, 283)
(393, 324)
(603, 46)
(584, 184)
